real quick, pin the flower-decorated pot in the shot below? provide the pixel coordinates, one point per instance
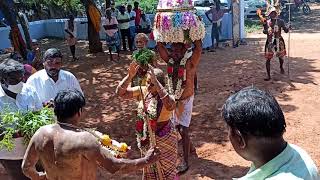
(176, 22)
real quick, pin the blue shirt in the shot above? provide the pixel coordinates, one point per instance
(292, 163)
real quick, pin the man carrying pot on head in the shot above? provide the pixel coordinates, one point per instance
(182, 65)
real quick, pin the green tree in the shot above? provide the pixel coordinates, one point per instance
(148, 6)
(74, 6)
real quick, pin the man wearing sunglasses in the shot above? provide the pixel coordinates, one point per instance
(52, 79)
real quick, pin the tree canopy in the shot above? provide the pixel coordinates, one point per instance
(148, 6)
(64, 5)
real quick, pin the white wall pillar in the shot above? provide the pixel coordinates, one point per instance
(242, 28)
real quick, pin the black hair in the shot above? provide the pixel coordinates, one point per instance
(218, 3)
(52, 53)
(67, 103)
(129, 5)
(70, 16)
(122, 7)
(9, 66)
(136, 3)
(254, 112)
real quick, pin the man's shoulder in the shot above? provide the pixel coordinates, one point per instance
(37, 75)
(28, 89)
(46, 130)
(301, 165)
(67, 74)
(302, 155)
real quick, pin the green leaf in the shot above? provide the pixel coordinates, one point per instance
(26, 123)
(143, 56)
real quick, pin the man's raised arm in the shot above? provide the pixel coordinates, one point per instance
(195, 59)
(163, 52)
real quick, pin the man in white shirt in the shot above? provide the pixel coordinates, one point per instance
(15, 96)
(52, 79)
(124, 26)
(132, 24)
(114, 11)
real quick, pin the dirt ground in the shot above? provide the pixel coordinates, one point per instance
(220, 74)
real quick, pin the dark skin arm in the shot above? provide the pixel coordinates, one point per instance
(265, 29)
(164, 54)
(30, 160)
(207, 14)
(67, 31)
(195, 58)
(286, 29)
(122, 90)
(167, 100)
(114, 165)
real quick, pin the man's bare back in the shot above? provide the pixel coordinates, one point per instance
(68, 154)
(191, 66)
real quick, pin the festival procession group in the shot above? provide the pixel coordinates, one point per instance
(65, 151)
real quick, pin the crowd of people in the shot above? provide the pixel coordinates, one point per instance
(121, 24)
(124, 23)
(255, 121)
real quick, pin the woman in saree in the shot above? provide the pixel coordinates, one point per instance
(156, 107)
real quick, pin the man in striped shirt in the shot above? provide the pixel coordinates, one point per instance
(52, 79)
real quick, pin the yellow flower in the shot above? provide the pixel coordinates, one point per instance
(106, 140)
(123, 147)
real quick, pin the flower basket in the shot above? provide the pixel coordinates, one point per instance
(176, 22)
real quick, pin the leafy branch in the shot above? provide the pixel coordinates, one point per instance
(143, 56)
(25, 124)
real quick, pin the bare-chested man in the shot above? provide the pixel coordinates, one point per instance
(183, 113)
(70, 154)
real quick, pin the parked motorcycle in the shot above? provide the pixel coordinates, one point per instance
(305, 6)
(298, 4)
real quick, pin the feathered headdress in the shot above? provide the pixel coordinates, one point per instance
(273, 6)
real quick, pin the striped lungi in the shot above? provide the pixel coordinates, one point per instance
(168, 146)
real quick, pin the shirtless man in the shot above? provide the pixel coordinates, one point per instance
(68, 153)
(184, 106)
(275, 44)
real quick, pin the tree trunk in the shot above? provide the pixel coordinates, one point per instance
(15, 34)
(95, 44)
